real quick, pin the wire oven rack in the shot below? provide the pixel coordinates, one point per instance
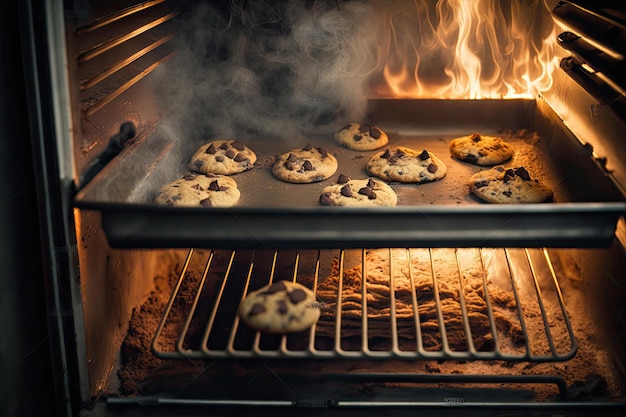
(200, 318)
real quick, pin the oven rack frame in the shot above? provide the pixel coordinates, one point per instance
(537, 263)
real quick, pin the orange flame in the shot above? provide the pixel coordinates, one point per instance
(468, 49)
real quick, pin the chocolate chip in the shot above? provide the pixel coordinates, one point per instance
(256, 309)
(198, 163)
(357, 138)
(308, 147)
(343, 179)
(237, 145)
(372, 195)
(211, 149)
(224, 145)
(323, 151)
(375, 133)
(275, 287)
(346, 127)
(365, 191)
(297, 295)
(346, 191)
(197, 187)
(476, 137)
(214, 186)
(189, 177)
(480, 184)
(387, 154)
(507, 193)
(522, 173)
(510, 173)
(282, 307)
(230, 153)
(325, 199)
(424, 155)
(364, 128)
(432, 168)
(292, 158)
(471, 158)
(241, 158)
(393, 160)
(308, 166)
(400, 153)
(206, 203)
(371, 183)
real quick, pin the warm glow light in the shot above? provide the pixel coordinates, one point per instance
(465, 49)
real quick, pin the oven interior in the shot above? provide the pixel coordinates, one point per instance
(441, 302)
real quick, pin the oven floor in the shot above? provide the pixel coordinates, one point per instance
(143, 377)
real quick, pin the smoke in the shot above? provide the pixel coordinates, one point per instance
(270, 69)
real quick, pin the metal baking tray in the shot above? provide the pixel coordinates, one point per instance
(274, 214)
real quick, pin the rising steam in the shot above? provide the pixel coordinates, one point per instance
(286, 68)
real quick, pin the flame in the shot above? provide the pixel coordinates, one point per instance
(465, 49)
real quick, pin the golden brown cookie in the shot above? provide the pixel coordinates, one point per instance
(282, 307)
(361, 137)
(481, 150)
(358, 193)
(224, 157)
(199, 190)
(305, 165)
(406, 165)
(508, 186)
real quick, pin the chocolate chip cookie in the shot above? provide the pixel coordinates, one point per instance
(199, 190)
(224, 157)
(481, 150)
(305, 165)
(361, 137)
(500, 185)
(281, 307)
(406, 165)
(358, 193)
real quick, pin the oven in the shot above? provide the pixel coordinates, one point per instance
(442, 303)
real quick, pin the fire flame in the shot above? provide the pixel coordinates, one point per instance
(465, 49)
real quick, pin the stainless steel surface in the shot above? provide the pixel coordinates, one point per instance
(229, 283)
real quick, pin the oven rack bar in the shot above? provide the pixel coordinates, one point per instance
(441, 304)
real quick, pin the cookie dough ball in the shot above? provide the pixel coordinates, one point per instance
(406, 165)
(358, 193)
(306, 165)
(508, 186)
(481, 150)
(282, 307)
(199, 190)
(361, 137)
(224, 157)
